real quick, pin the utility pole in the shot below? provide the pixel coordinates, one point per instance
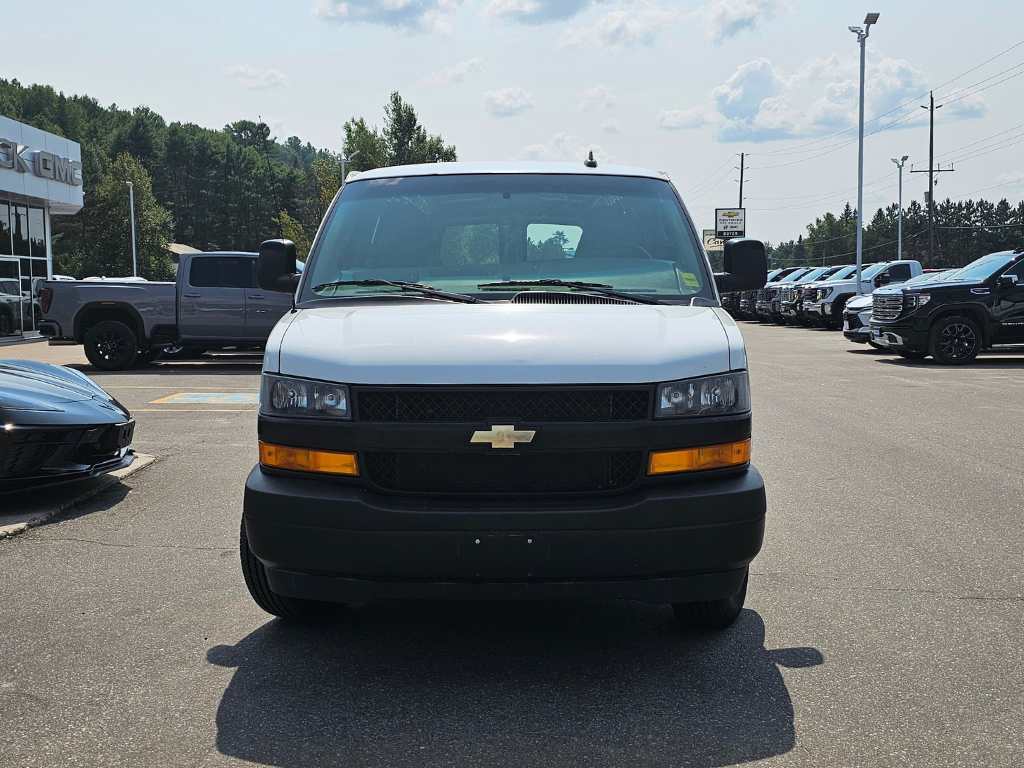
(899, 226)
(740, 205)
(932, 170)
(131, 204)
(862, 39)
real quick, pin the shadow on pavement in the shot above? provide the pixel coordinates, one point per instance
(990, 361)
(591, 683)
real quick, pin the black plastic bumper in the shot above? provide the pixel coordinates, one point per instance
(687, 541)
(900, 336)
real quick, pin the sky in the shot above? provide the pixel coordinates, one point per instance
(682, 87)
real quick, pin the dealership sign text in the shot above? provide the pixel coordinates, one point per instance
(46, 164)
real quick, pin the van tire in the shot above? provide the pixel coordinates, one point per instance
(713, 614)
(292, 608)
(111, 345)
(954, 340)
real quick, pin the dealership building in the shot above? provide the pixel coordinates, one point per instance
(40, 177)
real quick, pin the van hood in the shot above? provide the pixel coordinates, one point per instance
(442, 343)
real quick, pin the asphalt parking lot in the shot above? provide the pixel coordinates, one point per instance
(884, 620)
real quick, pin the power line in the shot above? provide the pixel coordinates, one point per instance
(701, 182)
(982, 141)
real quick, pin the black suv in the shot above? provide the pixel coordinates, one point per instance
(975, 308)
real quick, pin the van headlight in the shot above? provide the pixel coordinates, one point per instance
(287, 396)
(718, 395)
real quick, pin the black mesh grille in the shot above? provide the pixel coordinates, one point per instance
(436, 405)
(487, 473)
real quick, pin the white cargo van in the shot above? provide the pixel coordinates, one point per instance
(505, 381)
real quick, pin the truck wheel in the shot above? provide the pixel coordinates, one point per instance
(955, 340)
(111, 345)
(255, 574)
(712, 614)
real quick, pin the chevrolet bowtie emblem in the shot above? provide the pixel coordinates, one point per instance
(503, 436)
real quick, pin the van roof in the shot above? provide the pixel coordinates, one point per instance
(456, 169)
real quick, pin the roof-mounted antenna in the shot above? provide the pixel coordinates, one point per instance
(590, 162)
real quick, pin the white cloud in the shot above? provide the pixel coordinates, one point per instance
(759, 102)
(691, 117)
(727, 18)
(598, 97)
(413, 15)
(629, 24)
(563, 147)
(968, 107)
(532, 11)
(250, 77)
(1007, 177)
(611, 125)
(456, 73)
(508, 102)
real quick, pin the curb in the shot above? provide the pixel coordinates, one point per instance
(142, 460)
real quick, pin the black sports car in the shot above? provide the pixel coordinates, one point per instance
(57, 424)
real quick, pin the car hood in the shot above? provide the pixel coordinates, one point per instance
(28, 385)
(441, 343)
(860, 302)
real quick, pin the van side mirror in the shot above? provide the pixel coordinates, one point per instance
(276, 269)
(745, 265)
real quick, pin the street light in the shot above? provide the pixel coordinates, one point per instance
(346, 160)
(131, 198)
(899, 226)
(862, 38)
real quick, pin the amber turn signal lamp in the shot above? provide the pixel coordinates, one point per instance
(305, 460)
(695, 459)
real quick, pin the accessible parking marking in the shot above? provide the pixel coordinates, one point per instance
(234, 398)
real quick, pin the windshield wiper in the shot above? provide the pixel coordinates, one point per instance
(425, 290)
(598, 288)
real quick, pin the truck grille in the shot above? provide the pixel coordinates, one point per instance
(887, 307)
(522, 405)
(489, 473)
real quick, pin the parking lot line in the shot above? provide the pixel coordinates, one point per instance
(210, 397)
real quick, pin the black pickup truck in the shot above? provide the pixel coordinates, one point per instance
(976, 308)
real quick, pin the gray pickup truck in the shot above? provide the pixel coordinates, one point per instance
(216, 303)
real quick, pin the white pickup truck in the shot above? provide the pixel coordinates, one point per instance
(505, 381)
(827, 307)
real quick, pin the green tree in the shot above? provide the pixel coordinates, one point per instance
(108, 214)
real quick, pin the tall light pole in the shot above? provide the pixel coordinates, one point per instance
(346, 160)
(862, 39)
(131, 199)
(899, 225)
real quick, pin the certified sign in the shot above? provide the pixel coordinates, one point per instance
(730, 223)
(712, 242)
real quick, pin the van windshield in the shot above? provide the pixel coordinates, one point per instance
(460, 233)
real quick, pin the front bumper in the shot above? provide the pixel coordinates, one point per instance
(666, 543)
(899, 335)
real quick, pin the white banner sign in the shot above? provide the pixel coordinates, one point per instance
(712, 242)
(730, 223)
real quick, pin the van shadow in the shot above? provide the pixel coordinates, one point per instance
(582, 683)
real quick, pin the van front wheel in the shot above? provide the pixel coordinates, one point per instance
(255, 575)
(713, 614)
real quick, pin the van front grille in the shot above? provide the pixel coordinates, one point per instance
(492, 473)
(458, 406)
